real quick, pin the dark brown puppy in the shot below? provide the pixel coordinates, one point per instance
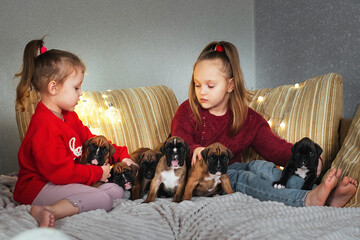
(170, 174)
(209, 174)
(147, 160)
(123, 175)
(97, 151)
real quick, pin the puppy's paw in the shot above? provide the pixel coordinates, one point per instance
(279, 186)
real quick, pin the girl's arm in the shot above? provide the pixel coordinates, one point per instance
(270, 146)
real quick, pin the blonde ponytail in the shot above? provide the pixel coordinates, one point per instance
(27, 71)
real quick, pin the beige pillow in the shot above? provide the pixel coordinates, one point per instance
(311, 109)
(348, 158)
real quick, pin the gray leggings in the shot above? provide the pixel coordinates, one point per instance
(84, 197)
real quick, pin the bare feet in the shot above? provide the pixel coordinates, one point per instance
(318, 196)
(43, 216)
(340, 195)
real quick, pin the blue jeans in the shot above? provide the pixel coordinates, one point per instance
(256, 177)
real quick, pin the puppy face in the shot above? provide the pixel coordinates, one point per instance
(98, 150)
(217, 157)
(123, 175)
(305, 153)
(175, 150)
(148, 162)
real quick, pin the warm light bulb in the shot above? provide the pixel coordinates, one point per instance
(261, 98)
(269, 122)
(282, 124)
(297, 85)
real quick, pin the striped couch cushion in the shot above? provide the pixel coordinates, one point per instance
(311, 109)
(134, 117)
(348, 158)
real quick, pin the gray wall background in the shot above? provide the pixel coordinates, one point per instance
(297, 40)
(123, 44)
(151, 42)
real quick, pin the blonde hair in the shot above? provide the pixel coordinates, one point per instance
(39, 69)
(239, 98)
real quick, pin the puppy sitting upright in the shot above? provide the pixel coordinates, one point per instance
(170, 172)
(147, 159)
(303, 162)
(209, 174)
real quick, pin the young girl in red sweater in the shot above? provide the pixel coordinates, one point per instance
(51, 178)
(217, 111)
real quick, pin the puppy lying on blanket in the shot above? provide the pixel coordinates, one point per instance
(170, 172)
(303, 162)
(98, 151)
(123, 175)
(147, 160)
(209, 174)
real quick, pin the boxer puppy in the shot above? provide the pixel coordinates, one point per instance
(170, 172)
(147, 159)
(98, 151)
(303, 162)
(209, 174)
(123, 175)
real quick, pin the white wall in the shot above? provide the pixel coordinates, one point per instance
(123, 44)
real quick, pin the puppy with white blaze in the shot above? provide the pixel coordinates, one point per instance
(303, 162)
(170, 174)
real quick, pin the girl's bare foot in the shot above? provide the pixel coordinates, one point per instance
(43, 216)
(340, 195)
(318, 196)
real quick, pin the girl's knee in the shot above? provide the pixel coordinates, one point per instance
(113, 190)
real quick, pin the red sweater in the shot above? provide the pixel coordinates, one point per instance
(51, 151)
(255, 133)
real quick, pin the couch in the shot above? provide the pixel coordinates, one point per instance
(141, 117)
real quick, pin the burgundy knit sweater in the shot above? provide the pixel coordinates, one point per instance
(255, 133)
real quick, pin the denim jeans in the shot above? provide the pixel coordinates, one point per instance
(256, 177)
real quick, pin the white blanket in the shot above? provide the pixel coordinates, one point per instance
(234, 216)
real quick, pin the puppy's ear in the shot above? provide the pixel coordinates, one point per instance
(187, 148)
(204, 153)
(139, 157)
(319, 150)
(230, 154)
(87, 142)
(111, 149)
(158, 155)
(294, 147)
(162, 148)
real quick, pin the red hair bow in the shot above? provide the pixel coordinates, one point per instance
(219, 48)
(42, 50)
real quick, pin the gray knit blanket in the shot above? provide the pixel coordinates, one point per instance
(234, 216)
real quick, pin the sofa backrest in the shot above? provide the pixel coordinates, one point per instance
(134, 117)
(312, 108)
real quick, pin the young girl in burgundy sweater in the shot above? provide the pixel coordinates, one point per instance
(217, 111)
(50, 176)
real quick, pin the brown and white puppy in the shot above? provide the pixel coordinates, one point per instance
(170, 174)
(147, 159)
(97, 151)
(124, 175)
(209, 174)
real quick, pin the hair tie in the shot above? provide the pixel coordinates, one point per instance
(219, 48)
(42, 50)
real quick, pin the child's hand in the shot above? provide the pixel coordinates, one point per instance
(196, 155)
(106, 172)
(129, 162)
